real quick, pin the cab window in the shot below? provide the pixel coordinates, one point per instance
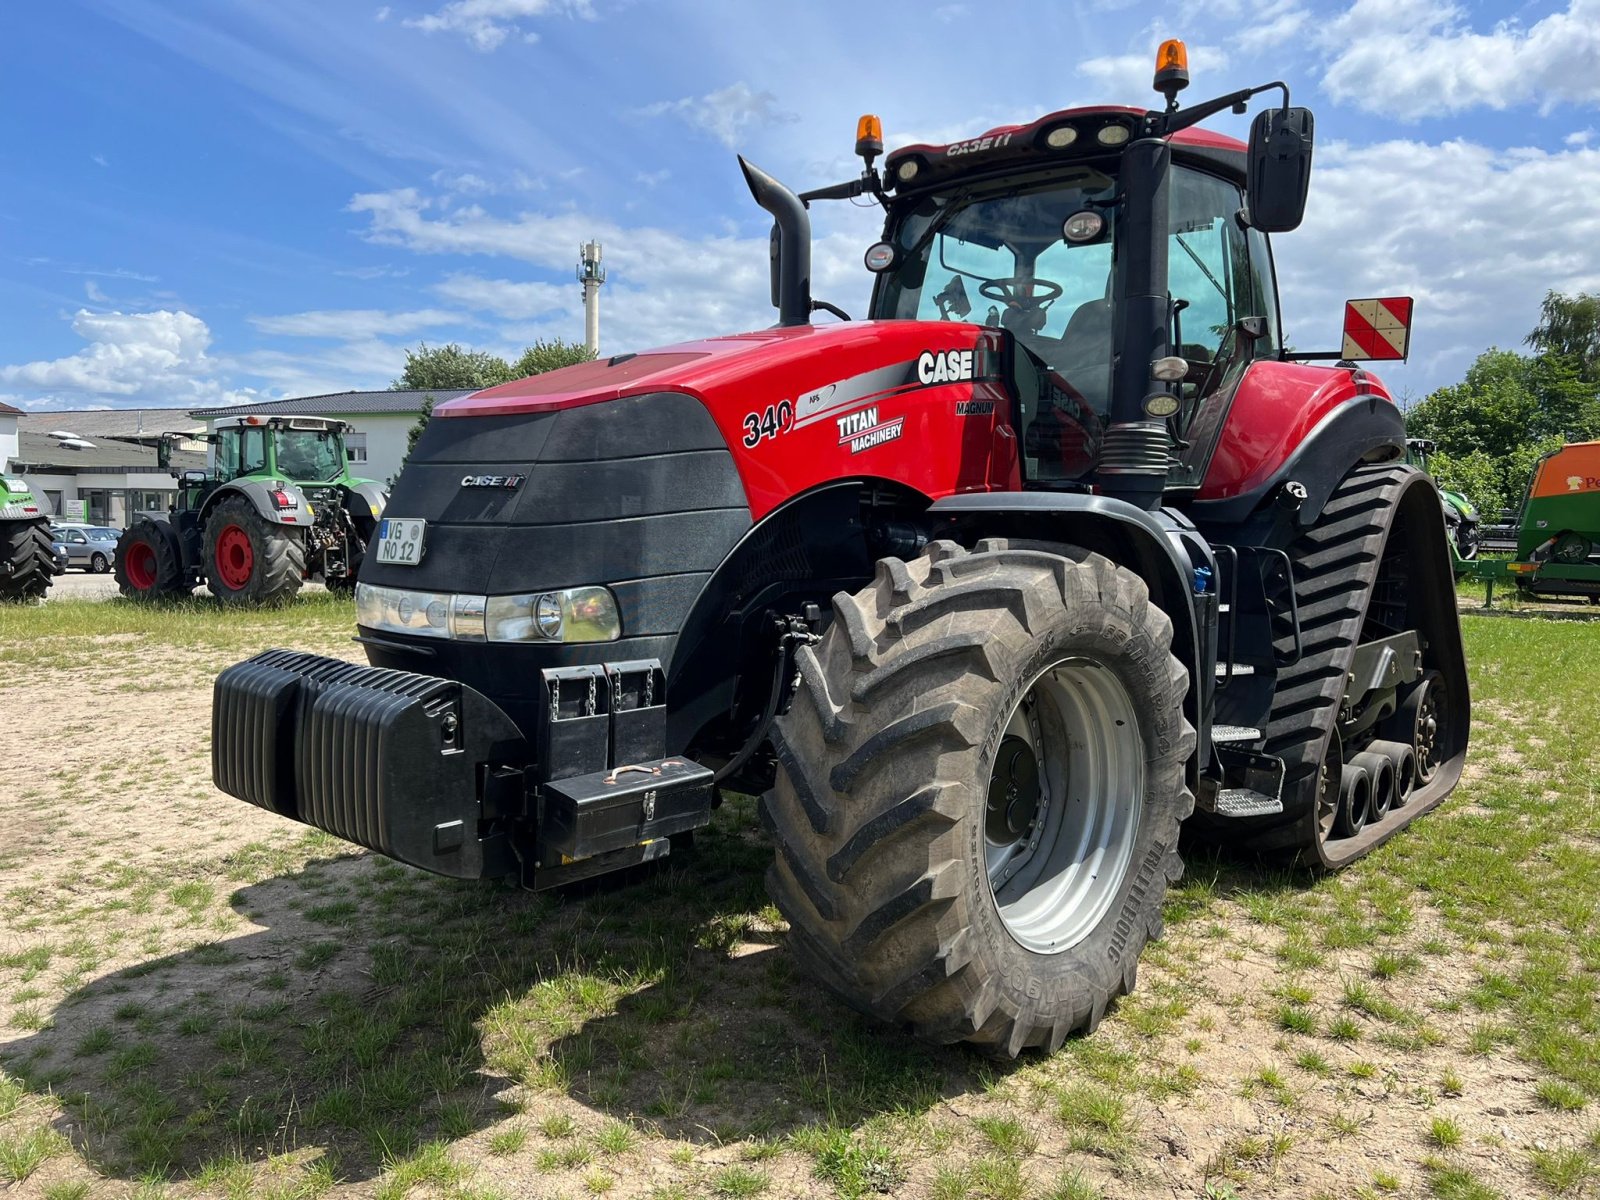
(253, 451)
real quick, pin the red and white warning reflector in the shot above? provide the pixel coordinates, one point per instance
(1377, 329)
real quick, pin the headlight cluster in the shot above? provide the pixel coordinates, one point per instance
(581, 614)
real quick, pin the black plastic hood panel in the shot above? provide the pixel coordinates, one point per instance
(640, 494)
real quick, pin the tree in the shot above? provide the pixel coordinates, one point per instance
(1569, 327)
(449, 368)
(545, 356)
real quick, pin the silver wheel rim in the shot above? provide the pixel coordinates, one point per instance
(1057, 852)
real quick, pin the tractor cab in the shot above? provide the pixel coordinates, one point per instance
(1030, 242)
(300, 450)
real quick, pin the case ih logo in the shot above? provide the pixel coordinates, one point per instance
(492, 481)
(861, 431)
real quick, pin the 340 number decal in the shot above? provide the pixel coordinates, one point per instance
(769, 423)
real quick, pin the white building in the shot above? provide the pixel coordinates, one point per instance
(98, 465)
(8, 434)
(380, 423)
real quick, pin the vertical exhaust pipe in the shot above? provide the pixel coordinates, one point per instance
(792, 225)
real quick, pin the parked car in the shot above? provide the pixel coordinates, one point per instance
(91, 547)
(58, 557)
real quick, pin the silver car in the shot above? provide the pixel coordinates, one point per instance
(92, 547)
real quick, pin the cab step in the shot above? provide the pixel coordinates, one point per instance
(1246, 802)
(1234, 733)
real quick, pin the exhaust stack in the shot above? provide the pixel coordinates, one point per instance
(791, 274)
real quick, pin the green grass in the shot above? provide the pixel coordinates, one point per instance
(175, 1027)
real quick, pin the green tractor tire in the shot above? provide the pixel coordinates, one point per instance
(250, 561)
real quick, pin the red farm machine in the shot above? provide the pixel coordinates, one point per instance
(986, 596)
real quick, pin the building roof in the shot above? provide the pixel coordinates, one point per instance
(336, 404)
(37, 452)
(111, 422)
(8, 410)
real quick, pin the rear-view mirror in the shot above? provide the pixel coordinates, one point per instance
(1279, 168)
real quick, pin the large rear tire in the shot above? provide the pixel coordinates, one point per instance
(981, 784)
(146, 563)
(27, 564)
(249, 560)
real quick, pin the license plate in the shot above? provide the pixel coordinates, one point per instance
(400, 541)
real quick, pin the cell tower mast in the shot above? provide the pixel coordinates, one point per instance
(591, 274)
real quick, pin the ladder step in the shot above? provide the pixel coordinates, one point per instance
(1238, 669)
(1234, 733)
(1246, 802)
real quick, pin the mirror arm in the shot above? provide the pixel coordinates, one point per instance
(1173, 122)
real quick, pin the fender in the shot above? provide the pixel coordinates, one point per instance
(370, 491)
(1163, 547)
(260, 496)
(1363, 428)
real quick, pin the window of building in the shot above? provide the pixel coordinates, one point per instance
(355, 446)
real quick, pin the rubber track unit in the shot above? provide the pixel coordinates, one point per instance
(1336, 567)
(280, 556)
(886, 755)
(27, 564)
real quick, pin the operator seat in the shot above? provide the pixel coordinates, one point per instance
(1083, 354)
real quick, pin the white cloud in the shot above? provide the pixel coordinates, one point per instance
(91, 289)
(1449, 224)
(507, 298)
(726, 114)
(1413, 58)
(353, 324)
(486, 24)
(155, 357)
(1579, 137)
(663, 287)
(1272, 25)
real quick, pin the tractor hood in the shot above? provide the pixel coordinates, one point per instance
(701, 368)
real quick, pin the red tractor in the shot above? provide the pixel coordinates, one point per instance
(986, 596)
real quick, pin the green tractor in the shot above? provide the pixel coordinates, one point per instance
(1460, 517)
(26, 563)
(278, 507)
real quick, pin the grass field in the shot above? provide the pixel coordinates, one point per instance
(197, 998)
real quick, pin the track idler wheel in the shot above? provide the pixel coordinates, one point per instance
(1420, 721)
(1403, 759)
(1380, 770)
(1355, 800)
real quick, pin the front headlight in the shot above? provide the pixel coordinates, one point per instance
(581, 614)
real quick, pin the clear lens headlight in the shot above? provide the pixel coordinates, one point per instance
(401, 611)
(1112, 135)
(583, 614)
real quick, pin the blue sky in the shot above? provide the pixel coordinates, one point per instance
(218, 200)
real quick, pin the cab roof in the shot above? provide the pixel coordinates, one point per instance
(1026, 146)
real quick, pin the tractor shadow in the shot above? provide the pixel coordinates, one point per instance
(376, 1008)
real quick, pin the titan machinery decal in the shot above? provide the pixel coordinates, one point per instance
(862, 430)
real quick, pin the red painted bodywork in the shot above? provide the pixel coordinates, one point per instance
(1274, 410)
(938, 451)
(1193, 136)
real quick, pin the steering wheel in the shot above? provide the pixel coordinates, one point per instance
(1020, 290)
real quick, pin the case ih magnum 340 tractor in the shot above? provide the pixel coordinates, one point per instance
(278, 507)
(985, 596)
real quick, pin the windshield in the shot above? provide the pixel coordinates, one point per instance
(1000, 260)
(308, 454)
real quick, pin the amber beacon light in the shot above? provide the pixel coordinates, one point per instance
(1172, 70)
(869, 137)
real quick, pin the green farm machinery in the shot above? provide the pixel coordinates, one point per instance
(1558, 530)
